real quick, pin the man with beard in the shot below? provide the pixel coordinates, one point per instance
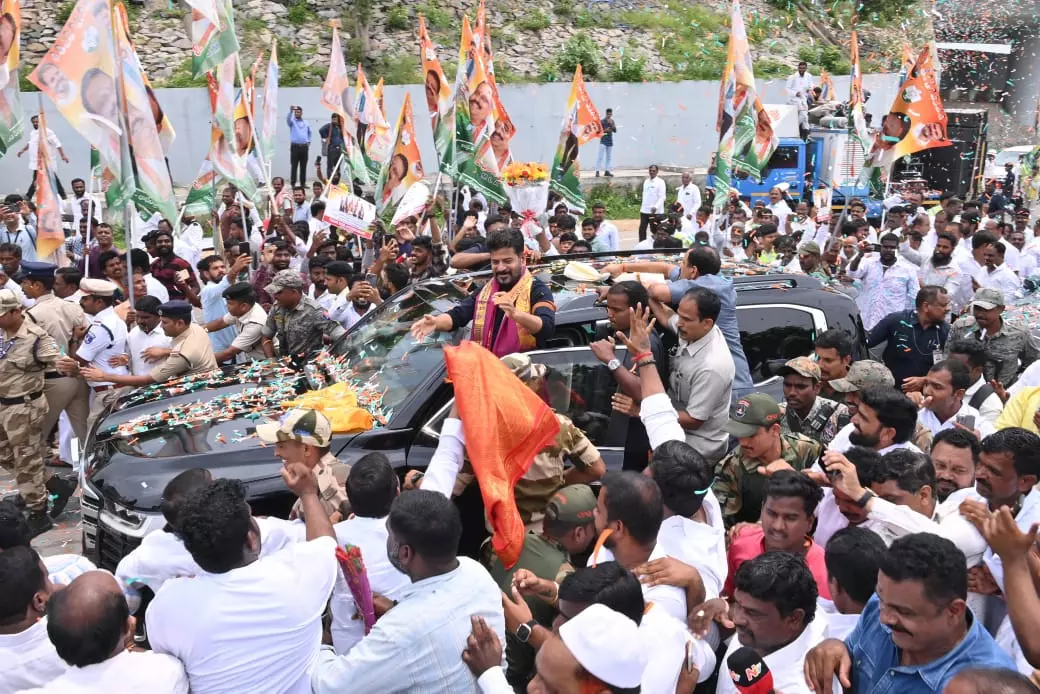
(833, 353)
(277, 257)
(955, 454)
(355, 297)
(923, 637)
(914, 338)
(213, 271)
(809, 261)
(319, 290)
(90, 265)
(944, 405)
(804, 411)
(513, 312)
(871, 375)
(174, 273)
(889, 283)
(997, 273)
(428, 258)
(980, 394)
(884, 420)
(1008, 344)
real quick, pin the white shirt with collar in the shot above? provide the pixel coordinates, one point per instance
(106, 338)
(1027, 265)
(654, 192)
(138, 341)
(344, 312)
(128, 672)
(327, 299)
(781, 210)
(29, 659)
(930, 420)
(689, 196)
(787, 663)
(608, 233)
(53, 143)
(255, 628)
(669, 598)
(1003, 278)
(1027, 516)
(841, 442)
(839, 624)
(156, 288)
(799, 86)
(991, 407)
(698, 545)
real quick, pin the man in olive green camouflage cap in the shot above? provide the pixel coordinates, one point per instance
(755, 421)
(804, 411)
(568, 529)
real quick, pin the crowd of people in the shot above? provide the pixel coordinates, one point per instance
(874, 529)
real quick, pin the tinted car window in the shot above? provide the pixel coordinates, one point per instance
(771, 335)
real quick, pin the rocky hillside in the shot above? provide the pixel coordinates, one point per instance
(538, 40)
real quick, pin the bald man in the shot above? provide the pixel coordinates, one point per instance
(990, 681)
(90, 626)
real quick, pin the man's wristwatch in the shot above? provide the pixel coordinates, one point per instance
(524, 631)
(613, 364)
(865, 499)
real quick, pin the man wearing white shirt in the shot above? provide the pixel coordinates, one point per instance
(889, 283)
(942, 270)
(799, 85)
(688, 195)
(53, 145)
(146, 334)
(944, 405)
(884, 420)
(28, 657)
(605, 230)
(653, 201)
(1027, 259)
(105, 339)
(89, 624)
(997, 274)
(211, 622)
(980, 394)
(354, 302)
(779, 207)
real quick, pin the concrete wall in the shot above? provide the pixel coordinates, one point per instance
(666, 123)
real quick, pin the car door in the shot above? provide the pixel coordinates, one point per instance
(771, 334)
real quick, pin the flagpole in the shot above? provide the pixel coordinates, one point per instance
(128, 211)
(252, 129)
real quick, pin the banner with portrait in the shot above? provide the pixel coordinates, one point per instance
(581, 123)
(49, 233)
(212, 34)
(202, 196)
(224, 145)
(373, 131)
(404, 165)
(12, 123)
(439, 103)
(504, 128)
(475, 162)
(349, 212)
(917, 119)
(78, 75)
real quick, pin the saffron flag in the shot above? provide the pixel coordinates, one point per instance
(373, 132)
(335, 96)
(78, 75)
(403, 167)
(224, 148)
(504, 128)
(917, 119)
(826, 87)
(378, 91)
(212, 34)
(746, 137)
(475, 162)
(12, 124)
(506, 426)
(907, 62)
(581, 123)
(269, 120)
(202, 196)
(439, 103)
(49, 234)
(154, 189)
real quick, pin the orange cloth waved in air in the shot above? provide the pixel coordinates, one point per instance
(506, 425)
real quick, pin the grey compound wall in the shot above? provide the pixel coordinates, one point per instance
(671, 123)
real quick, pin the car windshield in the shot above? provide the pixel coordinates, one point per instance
(384, 356)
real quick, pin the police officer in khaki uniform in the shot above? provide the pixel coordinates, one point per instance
(191, 352)
(303, 436)
(26, 353)
(61, 320)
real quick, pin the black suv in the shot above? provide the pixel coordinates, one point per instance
(123, 477)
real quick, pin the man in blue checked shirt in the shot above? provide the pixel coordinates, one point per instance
(299, 144)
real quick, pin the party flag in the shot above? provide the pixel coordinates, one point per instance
(581, 123)
(506, 426)
(212, 34)
(826, 87)
(504, 128)
(78, 75)
(225, 147)
(202, 196)
(49, 234)
(746, 137)
(439, 103)
(917, 119)
(12, 124)
(373, 132)
(858, 123)
(269, 122)
(335, 96)
(475, 161)
(154, 189)
(403, 167)
(378, 91)
(907, 62)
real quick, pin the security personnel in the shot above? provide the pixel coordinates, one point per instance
(739, 483)
(191, 351)
(249, 319)
(105, 339)
(303, 436)
(66, 323)
(26, 353)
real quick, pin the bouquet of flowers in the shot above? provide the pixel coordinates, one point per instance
(527, 185)
(353, 567)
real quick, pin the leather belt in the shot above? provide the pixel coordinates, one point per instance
(102, 389)
(21, 399)
(53, 374)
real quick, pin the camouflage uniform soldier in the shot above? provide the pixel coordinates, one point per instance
(755, 421)
(296, 325)
(26, 352)
(867, 374)
(805, 411)
(303, 436)
(1008, 344)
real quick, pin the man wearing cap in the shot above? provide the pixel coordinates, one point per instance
(191, 352)
(568, 529)
(105, 340)
(862, 374)
(248, 317)
(296, 325)
(1008, 345)
(303, 436)
(755, 421)
(804, 410)
(809, 261)
(26, 353)
(176, 274)
(914, 340)
(61, 320)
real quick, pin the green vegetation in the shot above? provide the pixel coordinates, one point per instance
(23, 82)
(504, 74)
(563, 8)
(628, 68)
(436, 18)
(354, 50)
(251, 25)
(830, 58)
(293, 72)
(766, 67)
(300, 13)
(64, 11)
(535, 21)
(397, 18)
(397, 69)
(181, 77)
(580, 49)
(621, 202)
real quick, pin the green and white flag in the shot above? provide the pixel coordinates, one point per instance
(212, 34)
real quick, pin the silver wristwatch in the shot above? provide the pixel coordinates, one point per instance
(613, 364)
